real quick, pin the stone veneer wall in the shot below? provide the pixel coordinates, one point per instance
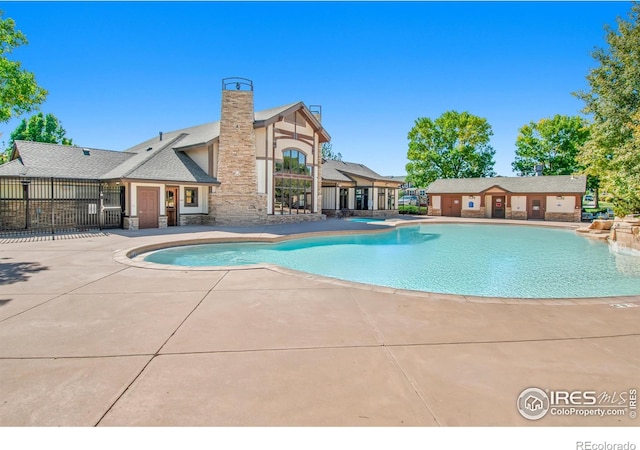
(431, 211)
(130, 223)
(575, 216)
(519, 215)
(237, 209)
(192, 219)
(236, 201)
(471, 213)
(294, 218)
(374, 212)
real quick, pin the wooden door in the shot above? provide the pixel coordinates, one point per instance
(536, 208)
(498, 206)
(171, 205)
(148, 207)
(451, 205)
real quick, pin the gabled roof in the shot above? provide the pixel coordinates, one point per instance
(551, 184)
(37, 159)
(192, 136)
(200, 135)
(333, 170)
(163, 163)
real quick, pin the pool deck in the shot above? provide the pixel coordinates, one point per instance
(90, 341)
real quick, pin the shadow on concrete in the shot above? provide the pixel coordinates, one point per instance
(18, 271)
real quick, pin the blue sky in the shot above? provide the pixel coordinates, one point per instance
(118, 73)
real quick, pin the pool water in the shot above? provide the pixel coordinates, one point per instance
(365, 219)
(466, 259)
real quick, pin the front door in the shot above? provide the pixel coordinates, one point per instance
(536, 208)
(451, 205)
(171, 205)
(497, 211)
(148, 206)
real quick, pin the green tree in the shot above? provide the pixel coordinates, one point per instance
(613, 102)
(19, 92)
(327, 152)
(554, 143)
(455, 145)
(40, 128)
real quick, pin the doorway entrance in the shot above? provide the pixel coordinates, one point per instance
(536, 208)
(148, 207)
(498, 207)
(451, 205)
(171, 203)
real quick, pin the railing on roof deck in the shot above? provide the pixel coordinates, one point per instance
(316, 110)
(236, 83)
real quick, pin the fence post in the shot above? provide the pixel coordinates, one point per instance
(100, 210)
(53, 213)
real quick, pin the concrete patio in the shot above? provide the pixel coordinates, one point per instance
(89, 341)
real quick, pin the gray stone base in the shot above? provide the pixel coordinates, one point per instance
(294, 218)
(192, 219)
(162, 221)
(469, 213)
(130, 223)
(564, 217)
(237, 209)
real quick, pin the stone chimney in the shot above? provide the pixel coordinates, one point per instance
(236, 201)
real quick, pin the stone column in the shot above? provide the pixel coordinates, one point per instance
(236, 201)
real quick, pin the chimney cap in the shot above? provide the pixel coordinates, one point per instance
(237, 84)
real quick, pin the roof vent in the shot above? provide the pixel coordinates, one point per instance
(149, 149)
(86, 152)
(538, 168)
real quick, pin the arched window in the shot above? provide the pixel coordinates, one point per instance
(293, 192)
(293, 162)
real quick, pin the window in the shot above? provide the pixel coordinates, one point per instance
(362, 198)
(293, 184)
(344, 198)
(293, 162)
(190, 197)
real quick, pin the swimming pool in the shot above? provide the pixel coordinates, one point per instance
(365, 219)
(467, 259)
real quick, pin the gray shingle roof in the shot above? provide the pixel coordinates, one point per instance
(201, 134)
(61, 161)
(165, 163)
(39, 159)
(546, 184)
(339, 171)
(153, 159)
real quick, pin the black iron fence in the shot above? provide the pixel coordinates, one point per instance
(55, 205)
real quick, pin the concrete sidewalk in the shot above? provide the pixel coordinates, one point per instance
(86, 341)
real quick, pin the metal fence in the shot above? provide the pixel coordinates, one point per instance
(55, 205)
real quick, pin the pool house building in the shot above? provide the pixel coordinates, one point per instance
(554, 198)
(248, 168)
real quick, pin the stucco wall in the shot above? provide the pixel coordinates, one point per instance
(200, 156)
(561, 204)
(471, 204)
